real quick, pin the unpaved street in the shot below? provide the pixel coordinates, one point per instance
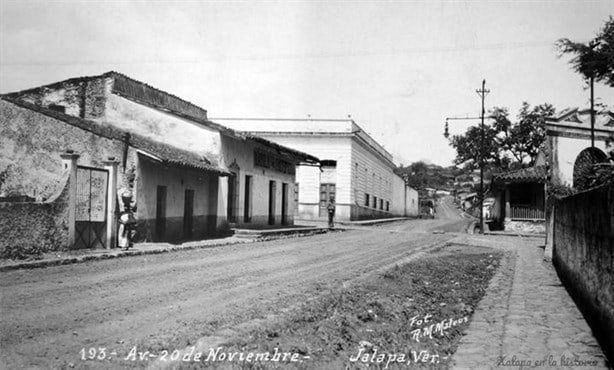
(172, 299)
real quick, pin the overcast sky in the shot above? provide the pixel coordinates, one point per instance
(398, 68)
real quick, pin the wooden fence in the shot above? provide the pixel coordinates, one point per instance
(519, 212)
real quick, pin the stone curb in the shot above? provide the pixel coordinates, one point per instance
(372, 222)
(359, 223)
(141, 252)
(524, 235)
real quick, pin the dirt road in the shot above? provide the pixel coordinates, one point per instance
(170, 300)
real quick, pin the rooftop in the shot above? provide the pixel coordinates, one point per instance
(531, 174)
(152, 97)
(304, 126)
(165, 153)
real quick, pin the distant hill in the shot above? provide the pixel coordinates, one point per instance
(420, 175)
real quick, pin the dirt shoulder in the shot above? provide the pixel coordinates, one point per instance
(413, 314)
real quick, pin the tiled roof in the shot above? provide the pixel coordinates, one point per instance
(173, 156)
(531, 174)
(167, 154)
(283, 149)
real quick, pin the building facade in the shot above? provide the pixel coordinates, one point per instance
(356, 171)
(568, 141)
(191, 178)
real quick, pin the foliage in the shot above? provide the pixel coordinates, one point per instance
(596, 58)
(420, 175)
(506, 145)
(600, 174)
(22, 251)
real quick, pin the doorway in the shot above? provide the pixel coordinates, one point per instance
(284, 203)
(161, 213)
(272, 191)
(188, 214)
(327, 194)
(91, 208)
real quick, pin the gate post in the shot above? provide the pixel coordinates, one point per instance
(69, 161)
(111, 166)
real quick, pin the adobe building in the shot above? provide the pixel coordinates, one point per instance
(356, 171)
(72, 147)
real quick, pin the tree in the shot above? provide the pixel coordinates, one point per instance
(420, 175)
(506, 145)
(596, 58)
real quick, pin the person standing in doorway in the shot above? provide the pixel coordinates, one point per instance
(331, 212)
(127, 222)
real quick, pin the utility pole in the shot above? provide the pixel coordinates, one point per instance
(592, 82)
(482, 93)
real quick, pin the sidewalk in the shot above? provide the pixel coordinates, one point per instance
(84, 255)
(526, 319)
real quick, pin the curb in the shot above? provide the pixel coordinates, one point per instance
(323, 224)
(131, 253)
(524, 235)
(372, 222)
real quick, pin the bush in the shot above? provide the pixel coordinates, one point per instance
(22, 251)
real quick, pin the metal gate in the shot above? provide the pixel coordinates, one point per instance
(91, 208)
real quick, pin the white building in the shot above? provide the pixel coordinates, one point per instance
(569, 143)
(355, 170)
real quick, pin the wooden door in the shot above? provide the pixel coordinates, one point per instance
(327, 193)
(188, 214)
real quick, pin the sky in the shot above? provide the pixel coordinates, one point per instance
(398, 68)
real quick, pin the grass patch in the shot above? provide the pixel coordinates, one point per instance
(418, 310)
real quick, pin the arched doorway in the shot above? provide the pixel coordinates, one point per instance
(583, 164)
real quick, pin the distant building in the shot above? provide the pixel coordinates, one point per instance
(76, 145)
(355, 170)
(564, 161)
(520, 199)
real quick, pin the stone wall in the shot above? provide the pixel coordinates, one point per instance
(531, 227)
(583, 254)
(32, 228)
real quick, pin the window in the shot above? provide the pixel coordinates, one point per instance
(366, 200)
(381, 204)
(374, 202)
(387, 206)
(328, 163)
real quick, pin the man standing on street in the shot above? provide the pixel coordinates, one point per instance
(331, 212)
